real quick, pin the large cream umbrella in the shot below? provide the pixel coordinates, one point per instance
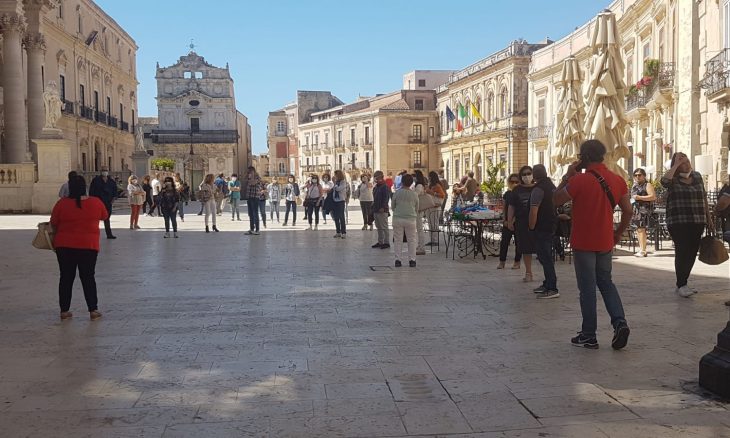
(568, 126)
(604, 93)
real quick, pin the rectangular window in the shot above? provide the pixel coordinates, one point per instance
(726, 23)
(60, 10)
(133, 122)
(96, 100)
(339, 138)
(367, 160)
(62, 86)
(82, 95)
(457, 171)
(630, 69)
(316, 139)
(660, 45)
(431, 132)
(194, 124)
(416, 132)
(121, 113)
(419, 104)
(421, 82)
(367, 135)
(109, 105)
(352, 160)
(83, 161)
(541, 111)
(339, 160)
(646, 51)
(416, 158)
(306, 140)
(352, 137)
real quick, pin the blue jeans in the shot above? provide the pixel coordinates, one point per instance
(544, 250)
(594, 269)
(234, 208)
(338, 213)
(253, 214)
(262, 210)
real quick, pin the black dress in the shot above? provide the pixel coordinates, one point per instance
(521, 203)
(642, 209)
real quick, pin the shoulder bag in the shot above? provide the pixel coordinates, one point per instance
(426, 202)
(712, 249)
(44, 237)
(606, 188)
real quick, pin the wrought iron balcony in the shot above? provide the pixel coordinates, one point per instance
(112, 121)
(539, 132)
(663, 80)
(367, 141)
(124, 126)
(636, 101)
(418, 165)
(68, 107)
(716, 81)
(86, 112)
(352, 144)
(186, 137)
(100, 117)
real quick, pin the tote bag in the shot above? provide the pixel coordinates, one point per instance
(44, 237)
(712, 250)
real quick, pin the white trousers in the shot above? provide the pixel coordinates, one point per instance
(421, 231)
(407, 227)
(210, 210)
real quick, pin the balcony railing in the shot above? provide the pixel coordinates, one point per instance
(538, 132)
(417, 165)
(100, 117)
(415, 139)
(68, 107)
(86, 112)
(112, 121)
(367, 141)
(124, 126)
(636, 101)
(663, 80)
(186, 137)
(352, 144)
(717, 73)
(316, 168)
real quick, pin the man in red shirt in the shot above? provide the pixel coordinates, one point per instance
(595, 193)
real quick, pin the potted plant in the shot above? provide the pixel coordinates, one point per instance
(651, 67)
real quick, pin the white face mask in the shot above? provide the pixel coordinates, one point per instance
(291, 180)
(684, 174)
(235, 178)
(105, 173)
(527, 179)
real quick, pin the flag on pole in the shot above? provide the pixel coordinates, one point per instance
(475, 112)
(462, 111)
(459, 126)
(450, 114)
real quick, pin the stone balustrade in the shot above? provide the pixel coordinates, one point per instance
(16, 187)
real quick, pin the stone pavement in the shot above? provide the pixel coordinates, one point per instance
(291, 334)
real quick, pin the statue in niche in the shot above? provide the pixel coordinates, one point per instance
(139, 139)
(53, 105)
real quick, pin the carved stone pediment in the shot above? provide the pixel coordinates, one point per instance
(61, 57)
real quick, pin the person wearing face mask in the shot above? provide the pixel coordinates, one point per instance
(687, 217)
(156, 188)
(136, 198)
(169, 203)
(327, 185)
(291, 194)
(339, 196)
(104, 188)
(234, 187)
(518, 219)
(507, 234)
(364, 193)
(313, 195)
(274, 190)
(255, 189)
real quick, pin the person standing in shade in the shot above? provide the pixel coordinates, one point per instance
(75, 220)
(169, 203)
(381, 211)
(313, 196)
(327, 185)
(184, 199)
(595, 194)
(642, 195)
(339, 196)
(63, 191)
(364, 193)
(507, 234)
(291, 194)
(254, 188)
(205, 196)
(136, 197)
(420, 188)
(156, 189)
(274, 190)
(179, 186)
(542, 223)
(149, 202)
(518, 218)
(105, 189)
(687, 217)
(221, 193)
(234, 188)
(405, 215)
(263, 197)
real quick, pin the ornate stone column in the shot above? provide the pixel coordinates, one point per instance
(35, 46)
(12, 27)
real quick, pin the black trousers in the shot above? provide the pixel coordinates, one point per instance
(69, 260)
(157, 205)
(504, 246)
(170, 216)
(147, 202)
(686, 239)
(291, 205)
(107, 221)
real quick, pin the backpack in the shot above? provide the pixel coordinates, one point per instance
(204, 193)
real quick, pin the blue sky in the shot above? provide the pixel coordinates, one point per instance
(275, 48)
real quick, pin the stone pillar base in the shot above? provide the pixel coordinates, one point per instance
(140, 163)
(54, 163)
(715, 366)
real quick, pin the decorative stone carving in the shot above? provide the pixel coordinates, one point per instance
(81, 63)
(107, 79)
(12, 22)
(139, 138)
(53, 105)
(61, 58)
(34, 41)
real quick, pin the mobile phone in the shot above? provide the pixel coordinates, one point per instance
(580, 167)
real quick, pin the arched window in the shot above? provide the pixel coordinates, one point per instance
(490, 106)
(444, 126)
(478, 104)
(467, 111)
(282, 169)
(503, 103)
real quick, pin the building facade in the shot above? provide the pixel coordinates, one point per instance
(91, 61)
(199, 126)
(388, 132)
(673, 52)
(483, 113)
(425, 79)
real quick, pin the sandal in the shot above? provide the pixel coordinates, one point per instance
(94, 314)
(66, 315)
(516, 266)
(528, 277)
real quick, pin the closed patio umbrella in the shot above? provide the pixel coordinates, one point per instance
(568, 126)
(604, 92)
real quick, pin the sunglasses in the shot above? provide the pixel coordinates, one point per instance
(513, 181)
(527, 174)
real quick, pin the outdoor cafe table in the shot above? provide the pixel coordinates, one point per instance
(476, 228)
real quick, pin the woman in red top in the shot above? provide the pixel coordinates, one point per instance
(76, 222)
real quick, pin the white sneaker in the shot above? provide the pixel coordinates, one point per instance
(640, 254)
(166, 235)
(343, 236)
(685, 291)
(316, 227)
(337, 236)
(310, 228)
(256, 233)
(175, 235)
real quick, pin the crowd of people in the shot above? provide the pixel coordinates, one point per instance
(538, 215)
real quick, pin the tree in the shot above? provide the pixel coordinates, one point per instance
(493, 185)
